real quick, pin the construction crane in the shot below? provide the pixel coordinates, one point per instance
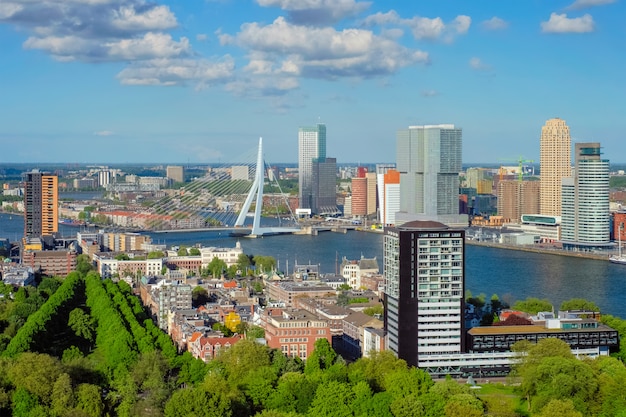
(520, 172)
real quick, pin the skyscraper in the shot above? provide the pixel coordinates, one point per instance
(324, 184)
(585, 219)
(312, 159)
(381, 170)
(424, 270)
(555, 164)
(429, 161)
(41, 204)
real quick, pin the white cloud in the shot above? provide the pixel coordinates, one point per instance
(202, 37)
(560, 23)
(323, 52)
(583, 4)
(103, 133)
(151, 45)
(461, 24)
(423, 27)
(495, 23)
(66, 48)
(157, 18)
(7, 10)
(71, 48)
(478, 64)
(177, 72)
(317, 12)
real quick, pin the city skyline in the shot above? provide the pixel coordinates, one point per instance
(127, 81)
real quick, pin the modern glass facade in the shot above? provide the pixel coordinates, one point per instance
(311, 148)
(429, 161)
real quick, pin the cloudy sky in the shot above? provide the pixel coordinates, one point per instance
(202, 80)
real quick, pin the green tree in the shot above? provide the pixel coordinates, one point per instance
(83, 264)
(198, 403)
(62, 395)
(533, 305)
(579, 304)
(122, 257)
(255, 332)
(89, 400)
(182, 251)
(264, 263)
(82, 324)
(322, 357)
(464, 405)
(194, 251)
(374, 311)
(156, 254)
(199, 296)
(258, 385)
(294, 393)
(243, 263)
(243, 357)
(332, 399)
(36, 373)
(549, 370)
(23, 402)
(216, 267)
(561, 408)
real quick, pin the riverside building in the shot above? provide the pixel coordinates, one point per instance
(429, 161)
(41, 204)
(555, 161)
(585, 219)
(317, 174)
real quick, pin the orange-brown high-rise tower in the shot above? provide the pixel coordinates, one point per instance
(555, 164)
(41, 204)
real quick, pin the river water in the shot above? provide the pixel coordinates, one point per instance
(511, 274)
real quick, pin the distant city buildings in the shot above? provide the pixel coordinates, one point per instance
(240, 172)
(41, 204)
(554, 164)
(429, 161)
(516, 198)
(175, 172)
(585, 203)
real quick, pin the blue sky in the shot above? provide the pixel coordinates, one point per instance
(200, 81)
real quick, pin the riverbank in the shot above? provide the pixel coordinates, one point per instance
(543, 251)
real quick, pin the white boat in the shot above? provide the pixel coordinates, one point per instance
(619, 258)
(616, 259)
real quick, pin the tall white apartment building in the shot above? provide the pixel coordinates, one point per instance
(585, 219)
(424, 269)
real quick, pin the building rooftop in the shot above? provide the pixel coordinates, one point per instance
(422, 224)
(533, 328)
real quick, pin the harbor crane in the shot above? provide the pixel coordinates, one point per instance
(520, 172)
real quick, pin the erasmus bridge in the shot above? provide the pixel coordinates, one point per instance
(222, 201)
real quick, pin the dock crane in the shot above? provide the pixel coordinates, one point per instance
(520, 172)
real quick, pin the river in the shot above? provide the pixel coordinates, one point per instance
(511, 274)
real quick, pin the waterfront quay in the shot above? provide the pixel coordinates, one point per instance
(542, 249)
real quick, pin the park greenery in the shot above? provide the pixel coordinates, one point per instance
(86, 347)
